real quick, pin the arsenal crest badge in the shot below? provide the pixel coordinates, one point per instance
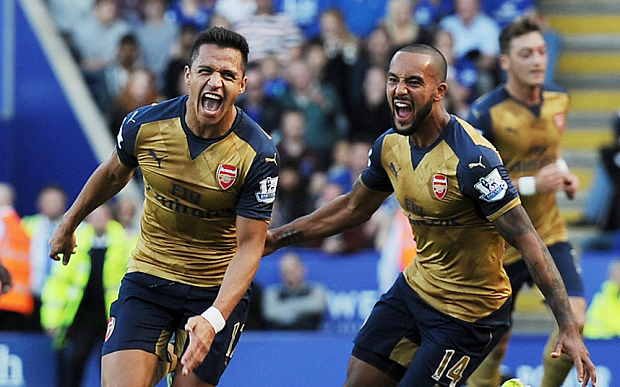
(440, 185)
(226, 175)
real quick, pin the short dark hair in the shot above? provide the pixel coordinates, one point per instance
(521, 26)
(221, 37)
(438, 59)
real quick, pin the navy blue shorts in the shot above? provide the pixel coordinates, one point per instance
(420, 346)
(564, 257)
(150, 309)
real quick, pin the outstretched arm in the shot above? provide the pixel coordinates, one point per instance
(344, 212)
(516, 227)
(107, 180)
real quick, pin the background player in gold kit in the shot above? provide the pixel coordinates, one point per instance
(525, 120)
(210, 175)
(451, 305)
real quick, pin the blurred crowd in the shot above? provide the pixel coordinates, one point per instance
(316, 77)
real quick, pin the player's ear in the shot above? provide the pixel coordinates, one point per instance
(440, 91)
(243, 84)
(186, 73)
(503, 62)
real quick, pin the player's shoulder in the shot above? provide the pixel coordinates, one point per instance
(553, 91)
(155, 112)
(250, 131)
(490, 99)
(465, 136)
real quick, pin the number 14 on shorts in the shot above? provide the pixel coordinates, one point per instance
(456, 372)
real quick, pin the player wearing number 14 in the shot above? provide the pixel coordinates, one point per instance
(451, 305)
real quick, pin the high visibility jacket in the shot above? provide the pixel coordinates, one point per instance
(14, 254)
(64, 288)
(603, 317)
(39, 229)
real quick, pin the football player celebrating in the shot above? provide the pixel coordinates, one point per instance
(451, 305)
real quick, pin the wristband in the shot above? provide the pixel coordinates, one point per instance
(527, 185)
(215, 318)
(562, 166)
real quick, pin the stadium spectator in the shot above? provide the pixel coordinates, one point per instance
(140, 90)
(114, 77)
(325, 120)
(235, 10)
(51, 204)
(293, 198)
(371, 115)
(475, 36)
(525, 120)
(67, 14)
(505, 12)
(294, 304)
(264, 109)
(156, 35)
(401, 25)
(77, 297)
(293, 146)
(270, 33)
(361, 17)
(96, 37)
(603, 317)
(341, 49)
(174, 75)
(305, 13)
(125, 211)
(427, 308)
(130, 10)
(428, 13)
(462, 75)
(350, 160)
(376, 50)
(16, 301)
(195, 13)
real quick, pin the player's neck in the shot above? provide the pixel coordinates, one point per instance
(206, 130)
(528, 94)
(430, 129)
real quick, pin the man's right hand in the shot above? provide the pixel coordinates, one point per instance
(63, 244)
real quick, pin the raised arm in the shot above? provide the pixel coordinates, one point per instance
(344, 212)
(107, 180)
(516, 227)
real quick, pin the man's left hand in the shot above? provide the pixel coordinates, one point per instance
(570, 342)
(201, 335)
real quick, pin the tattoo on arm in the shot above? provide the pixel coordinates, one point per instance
(517, 229)
(289, 237)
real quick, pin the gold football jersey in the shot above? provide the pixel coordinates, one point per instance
(194, 190)
(528, 138)
(450, 192)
